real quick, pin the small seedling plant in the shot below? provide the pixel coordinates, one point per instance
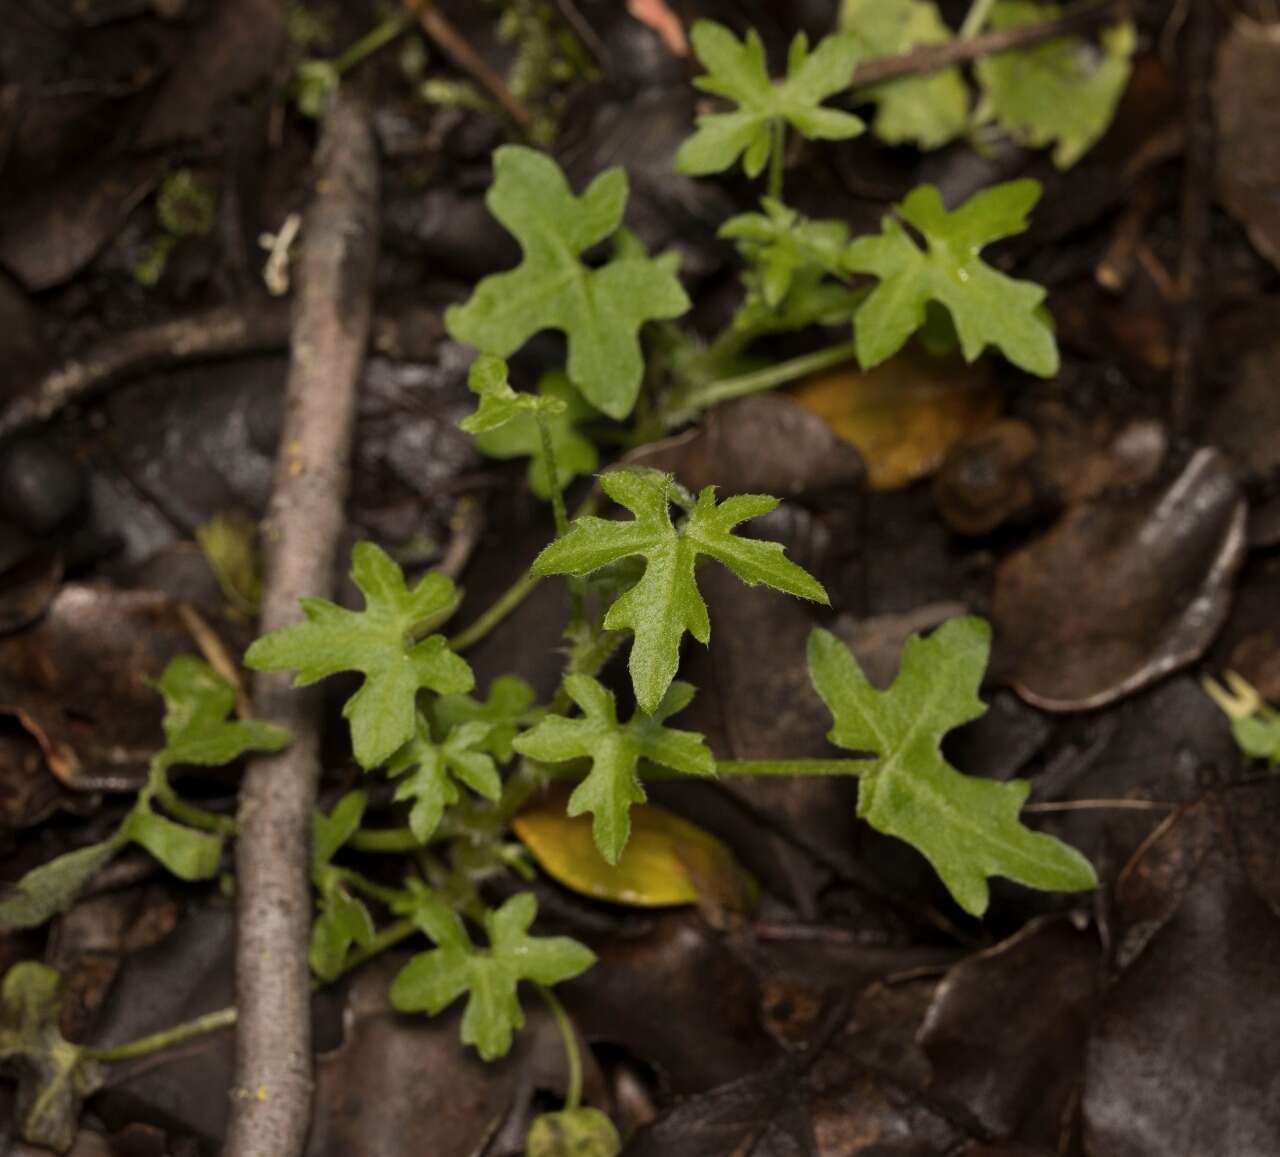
(453, 847)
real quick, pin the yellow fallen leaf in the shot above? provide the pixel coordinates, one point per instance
(668, 861)
(905, 415)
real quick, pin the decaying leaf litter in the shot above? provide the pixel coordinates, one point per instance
(1038, 482)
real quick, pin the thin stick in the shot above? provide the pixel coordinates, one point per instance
(224, 332)
(1089, 805)
(457, 48)
(932, 57)
(272, 1101)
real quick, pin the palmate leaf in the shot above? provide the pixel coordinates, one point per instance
(966, 827)
(928, 110)
(433, 980)
(508, 708)
(427, 772)
(615, 750)
(379, 643)
(736, 70)
(1062, 92)
(665, 602)
(987, 307)
(54, 1075)
(599, 310)
(197, 705)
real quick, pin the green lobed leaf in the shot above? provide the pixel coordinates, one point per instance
(379, 643)
(572, 453)
(580, 1132)
(54, 1075)
(52, 887)
(1061, 92)
(197, 702)
(330, 832)
(966, 827)
(987, 307)
(433, 980)
(782, 243)
(187, 853)
(615, 750)
(929, 110)
(508, 708)
(499, 403)
(600, 310)
(665, 602)
(343, 922)
(737, 71)
(433, 767)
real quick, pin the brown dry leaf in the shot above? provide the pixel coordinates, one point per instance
(1122, 591)
(668, 861)
(1186, 1047)
(78, 681)
(903, 416)
(1246, 95)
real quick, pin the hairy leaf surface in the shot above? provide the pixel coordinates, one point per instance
(433, 980)
(987, 307)
(966, 827)
(737, 71)
(599, 310)
(665, 602)
(379, 643)
(615, 750)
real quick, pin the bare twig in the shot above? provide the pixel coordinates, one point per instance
(458, 49)
(931, 57)
(272, 1100)
(223, 332)
(1199, 37)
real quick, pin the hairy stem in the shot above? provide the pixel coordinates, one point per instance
(557, 509)
(378, 37)
(166, 1038)
(573, 1059)
(777, 158)
(513, 596)
(702, 397)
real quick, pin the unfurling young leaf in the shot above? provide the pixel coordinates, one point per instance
(433, 767)
(433, 980)
(599, 310)
(499, 403)
(987, 307)
(782, 243)
(197, 703)
(343, 922)
(615, 750)
(665, 602)
(571, 452)
(929, 110)
(966, 827)
(509, 707)
(54, 1075)
(379, 642)
(736, 70)
(1061, 92)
